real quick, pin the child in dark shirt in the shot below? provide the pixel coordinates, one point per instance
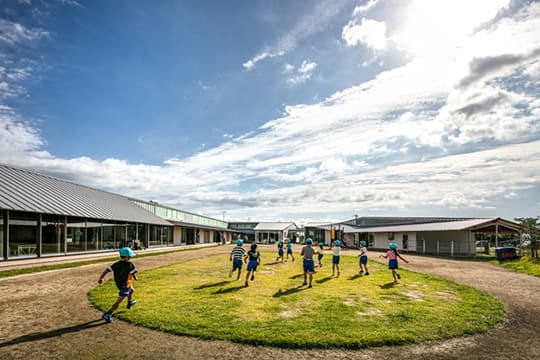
(124, 274)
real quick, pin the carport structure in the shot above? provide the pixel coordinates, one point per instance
(448, 237)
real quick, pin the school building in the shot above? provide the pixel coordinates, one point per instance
(423, 235)
(264, 232)
(45, 216)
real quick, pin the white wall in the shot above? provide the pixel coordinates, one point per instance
(177, 235)
(463, 243)
(381, 240)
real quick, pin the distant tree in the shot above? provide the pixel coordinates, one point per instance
(531, 228)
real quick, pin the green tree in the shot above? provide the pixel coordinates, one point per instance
(531, 227)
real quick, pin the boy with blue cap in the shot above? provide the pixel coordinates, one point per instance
(124, 274)
(237, 257)
(309, 263)
(363, 258)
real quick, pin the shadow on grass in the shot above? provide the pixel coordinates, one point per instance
(323, 280)
(229, 290)
(296, 276)
(53, 333)
(354, 277)
(206, 286)
(273, 263)
(387, 285)
(290, 291)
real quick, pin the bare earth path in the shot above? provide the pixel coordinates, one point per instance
(48, 316)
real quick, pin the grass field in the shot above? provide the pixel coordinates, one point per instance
(197, 298)
(525, 264)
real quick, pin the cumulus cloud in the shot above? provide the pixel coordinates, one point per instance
(368, 32)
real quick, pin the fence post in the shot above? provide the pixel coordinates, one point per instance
(437, 247)
(452, 248)
(424, 245)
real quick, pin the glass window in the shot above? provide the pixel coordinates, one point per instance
(76, 234)
(120, 235)
(93, 235)
(391, 236)
(108, 235)
(405, 240)
(22, 234)
(52, 234)
(155, 235)
(131, 234)
(1, 235)
(141, 234)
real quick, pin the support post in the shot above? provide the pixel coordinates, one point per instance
(452, 248)
(39, 236)
(437, 247)
(496, 234)
(6, 235)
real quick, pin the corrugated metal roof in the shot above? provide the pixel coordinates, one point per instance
(198, 226)
(24, 190)
(441, 226)
(273, 226)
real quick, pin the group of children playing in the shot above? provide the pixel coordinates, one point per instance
(125, 272)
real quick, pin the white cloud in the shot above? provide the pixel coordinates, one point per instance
(311, 23)
(288, 68)
(303, 73)
(368, 5)
(370, 33)
(13, 33)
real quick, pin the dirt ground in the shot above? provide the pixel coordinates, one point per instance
(48, 316)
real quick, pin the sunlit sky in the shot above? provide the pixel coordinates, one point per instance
(280, 110)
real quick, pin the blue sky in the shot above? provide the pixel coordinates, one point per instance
(280, 110)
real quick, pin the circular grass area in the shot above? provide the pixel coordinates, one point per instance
(197, 298)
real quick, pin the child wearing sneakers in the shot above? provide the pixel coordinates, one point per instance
(237, 257)
(289, 249)
(124, 274)
(321, 253)
(336, 252)
(253, 260)
(308, 264)
(363, 258)
(392, 255)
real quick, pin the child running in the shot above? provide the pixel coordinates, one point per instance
(124, 273)
(237, 257)
(336, 252)
(289, 249)
(392, 255)
(321, 254)
(254, 259)
(309, 264)
(280, 250)
(363, 258)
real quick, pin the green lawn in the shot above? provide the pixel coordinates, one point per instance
(525, 264)
(197, 298)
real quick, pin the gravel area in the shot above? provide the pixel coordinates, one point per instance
(47, 316)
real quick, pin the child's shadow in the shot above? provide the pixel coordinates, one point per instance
(205, 286)
(354, 277)
(387, 285)
(323, 280)
(290, 291)
(273, 263)
(296, 276)
(229, 290)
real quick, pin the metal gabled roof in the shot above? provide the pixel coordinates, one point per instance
(438, 226)
(273, 226)
(24, 190)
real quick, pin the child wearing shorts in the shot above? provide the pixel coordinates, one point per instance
(363, 258)
(254, 259)
(289, 249)
(321, 254)
(237, 258)
(392, 255)
(124, 274)
(280, 250)
(308, 263)
(336, 254)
